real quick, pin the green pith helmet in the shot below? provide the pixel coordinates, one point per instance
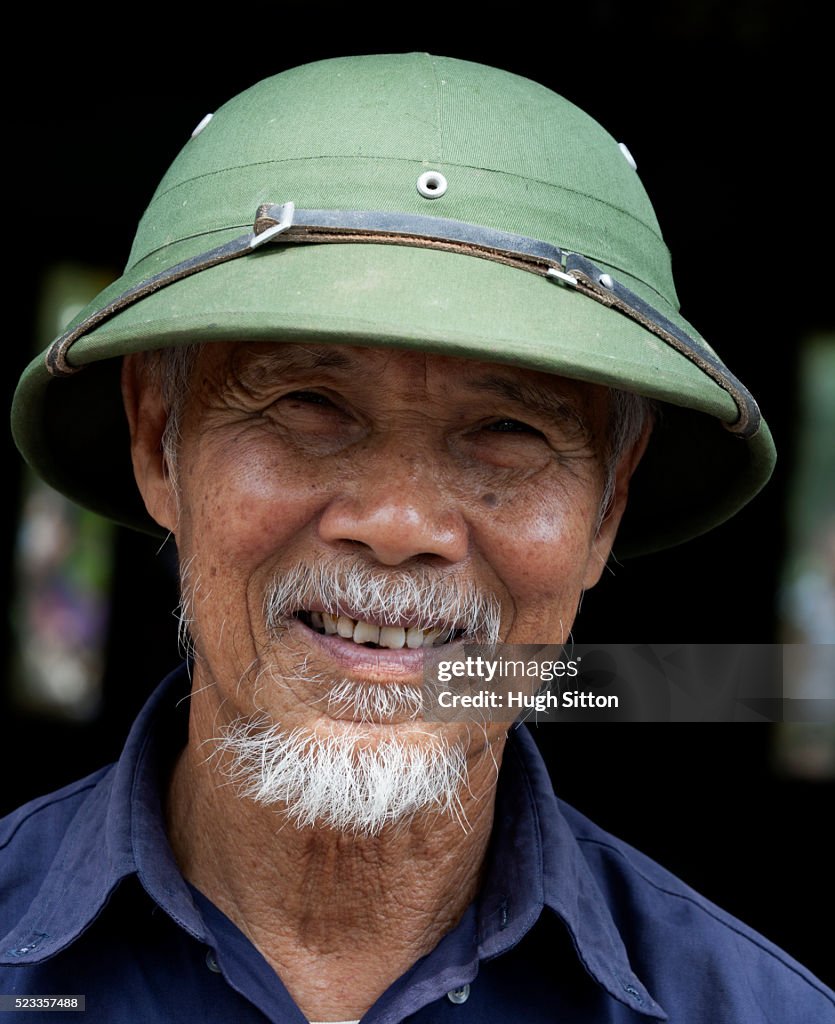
(418, 202)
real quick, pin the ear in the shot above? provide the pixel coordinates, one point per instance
(607, 531)
(145, 410)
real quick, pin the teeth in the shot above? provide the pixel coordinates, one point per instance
(365, 633)
(392, 637)
(414, 637)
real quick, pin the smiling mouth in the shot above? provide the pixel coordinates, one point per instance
(369, 634)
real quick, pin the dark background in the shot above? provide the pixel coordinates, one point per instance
(727, 109)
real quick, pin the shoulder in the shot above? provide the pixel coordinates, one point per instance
(43, 811)
(31, 836)
(682, 944)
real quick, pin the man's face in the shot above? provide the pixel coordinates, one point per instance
(427, 482)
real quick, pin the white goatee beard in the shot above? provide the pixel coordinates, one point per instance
(345, 779)
(336, 782)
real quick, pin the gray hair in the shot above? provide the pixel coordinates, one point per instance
(171, 369)
(629, 416)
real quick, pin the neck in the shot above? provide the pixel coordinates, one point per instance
(321, 905)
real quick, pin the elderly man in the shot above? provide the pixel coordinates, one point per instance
(394, 336)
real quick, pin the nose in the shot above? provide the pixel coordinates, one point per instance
(397, 510)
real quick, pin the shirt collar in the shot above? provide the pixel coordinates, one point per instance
(118, 830)
(535, 861)
(538, 863)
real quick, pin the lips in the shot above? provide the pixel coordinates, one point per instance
(376, 635)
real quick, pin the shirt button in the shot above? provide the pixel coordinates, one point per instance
(211, 963)
(459, 995)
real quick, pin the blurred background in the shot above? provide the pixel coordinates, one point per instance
(726, 108)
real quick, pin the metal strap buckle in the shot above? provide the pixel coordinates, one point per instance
(286, 213)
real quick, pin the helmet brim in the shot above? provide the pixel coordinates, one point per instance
(694, 475)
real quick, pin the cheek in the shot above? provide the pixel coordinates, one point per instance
(258, 504)
(539, 545)
(240, 510)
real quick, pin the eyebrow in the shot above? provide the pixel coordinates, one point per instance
(254, 367)
(538, 399)
(294, 357)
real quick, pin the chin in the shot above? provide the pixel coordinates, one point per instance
(336, 779)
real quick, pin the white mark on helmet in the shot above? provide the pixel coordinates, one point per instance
(202, 125)
(627, 155)
(432, 184)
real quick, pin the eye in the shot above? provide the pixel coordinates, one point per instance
(313, 420)
(308, 410)
(308, 398)
(513, 427)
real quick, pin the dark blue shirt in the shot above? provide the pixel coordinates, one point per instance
(570, 925)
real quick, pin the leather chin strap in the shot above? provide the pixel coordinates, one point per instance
(285, 225)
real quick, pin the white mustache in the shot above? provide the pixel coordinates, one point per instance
(421, 597)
